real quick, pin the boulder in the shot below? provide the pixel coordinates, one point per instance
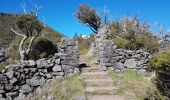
(10, 74)
(130, 63)
(42, 63)
(32, 63)
(26, 89)
(13, 81)
(12, 94)
(57, 68)
(35, 81)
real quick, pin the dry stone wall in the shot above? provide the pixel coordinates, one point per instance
(18, 80)
(120, 59)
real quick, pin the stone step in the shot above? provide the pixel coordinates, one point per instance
(104, 97)
(95, 73)
(90, 69)
(96, 77)
(99, 82)
(100, 90)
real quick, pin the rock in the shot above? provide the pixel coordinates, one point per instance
(12, 94)
(130, 63)
(42, 63)
(8, 87)
(2, 88)
(32, 63)
(3, 79)
(80, 98)
(142, 71)
(3, 98)
(49, 76)
(119, 66)
(51, 97)
(57, 68)
(10, 74)
(57, 61)
(35, 81)
(13, 81)
(21, 96)
(26, 89)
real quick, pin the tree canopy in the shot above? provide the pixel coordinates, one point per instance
(88, 16)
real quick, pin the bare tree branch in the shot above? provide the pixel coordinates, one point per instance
(17, 32)
(24, 7)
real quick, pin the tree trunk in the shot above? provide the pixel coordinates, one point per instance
(24, 53)
(21, 51)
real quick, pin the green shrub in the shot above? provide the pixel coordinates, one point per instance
(121, 43)
(160, 64)
(147, 42)
(42, 48)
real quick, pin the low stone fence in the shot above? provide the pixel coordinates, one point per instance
(120, 59)
(18, 80)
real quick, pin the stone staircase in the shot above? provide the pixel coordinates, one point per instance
(99, 85)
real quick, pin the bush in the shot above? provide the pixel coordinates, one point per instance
(161, 65)
(147, 42)
(121, 43)
(42, 48)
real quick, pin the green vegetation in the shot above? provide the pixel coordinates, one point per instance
(42, 48)
(120, 42)
(10, 39)
(130, 84)
(88, 16)
(130, 37)
(160, 64)
(67, 88)
(7, 36)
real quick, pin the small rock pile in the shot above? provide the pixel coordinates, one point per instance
(2, 55)
(18, 80)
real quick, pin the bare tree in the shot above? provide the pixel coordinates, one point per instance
(24, 6)
(30, 27)
(89, 17)
(36, 9)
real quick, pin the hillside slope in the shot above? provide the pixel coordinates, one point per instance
(6, 35)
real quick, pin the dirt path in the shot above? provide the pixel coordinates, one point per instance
(98, 83)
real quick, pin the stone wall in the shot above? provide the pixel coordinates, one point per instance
(18, 80)
(119, 59)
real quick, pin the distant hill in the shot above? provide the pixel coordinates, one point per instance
(6, 35)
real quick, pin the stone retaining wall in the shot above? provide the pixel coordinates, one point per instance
(120, 59)
(18, 80)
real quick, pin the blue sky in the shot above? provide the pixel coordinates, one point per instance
(59, 14)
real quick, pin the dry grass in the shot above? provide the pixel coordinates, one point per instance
(131, 85)
(67, 89)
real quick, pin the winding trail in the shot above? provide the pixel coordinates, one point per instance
(98, 83)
